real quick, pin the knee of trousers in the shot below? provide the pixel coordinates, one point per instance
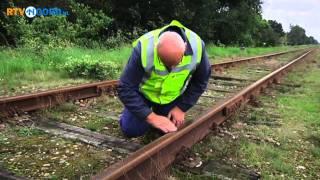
(131, 126)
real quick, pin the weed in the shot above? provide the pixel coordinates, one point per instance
(97, 124)
(28, 131)
(94, 69)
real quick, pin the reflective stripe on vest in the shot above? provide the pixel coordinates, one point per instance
(159, 85)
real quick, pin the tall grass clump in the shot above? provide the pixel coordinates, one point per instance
(94, 69)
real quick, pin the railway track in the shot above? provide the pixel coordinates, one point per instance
(138, 158)
(24, 103)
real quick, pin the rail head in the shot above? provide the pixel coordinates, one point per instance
(219, 66)
(19, 104)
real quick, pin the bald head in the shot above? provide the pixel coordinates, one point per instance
(171, 48)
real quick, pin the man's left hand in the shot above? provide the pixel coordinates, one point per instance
(177, 116)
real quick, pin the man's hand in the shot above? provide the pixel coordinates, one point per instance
(161, 122)
(177, 116)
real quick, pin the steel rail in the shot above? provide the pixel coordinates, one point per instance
(46, 99)
(149, 161)
(40, 100)
(227, 64)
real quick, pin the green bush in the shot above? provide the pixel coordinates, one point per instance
(84, 27)
(94, 69)
(115, 40)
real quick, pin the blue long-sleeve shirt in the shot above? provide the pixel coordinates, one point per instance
(133, 73)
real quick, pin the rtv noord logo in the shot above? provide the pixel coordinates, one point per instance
(31, 12)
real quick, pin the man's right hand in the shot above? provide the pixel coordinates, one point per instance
(161, 122)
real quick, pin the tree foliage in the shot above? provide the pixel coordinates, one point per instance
(276, 27)
(108, 23)
(297, 36)
(85, 26)
(221, 21)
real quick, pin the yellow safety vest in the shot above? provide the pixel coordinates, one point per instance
(159, 85)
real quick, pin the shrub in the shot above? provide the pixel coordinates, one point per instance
(84, 27)
(94, 69)
(116, 40)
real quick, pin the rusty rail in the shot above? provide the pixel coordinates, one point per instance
(227, 64)
(46, 99)
(150, 160)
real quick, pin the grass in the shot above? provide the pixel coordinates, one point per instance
(28, 131)
(288, 146)
(97, 124)
(25, 70)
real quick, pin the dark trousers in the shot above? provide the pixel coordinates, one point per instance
(132, 126)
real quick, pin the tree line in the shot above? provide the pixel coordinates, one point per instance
(108, 23)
